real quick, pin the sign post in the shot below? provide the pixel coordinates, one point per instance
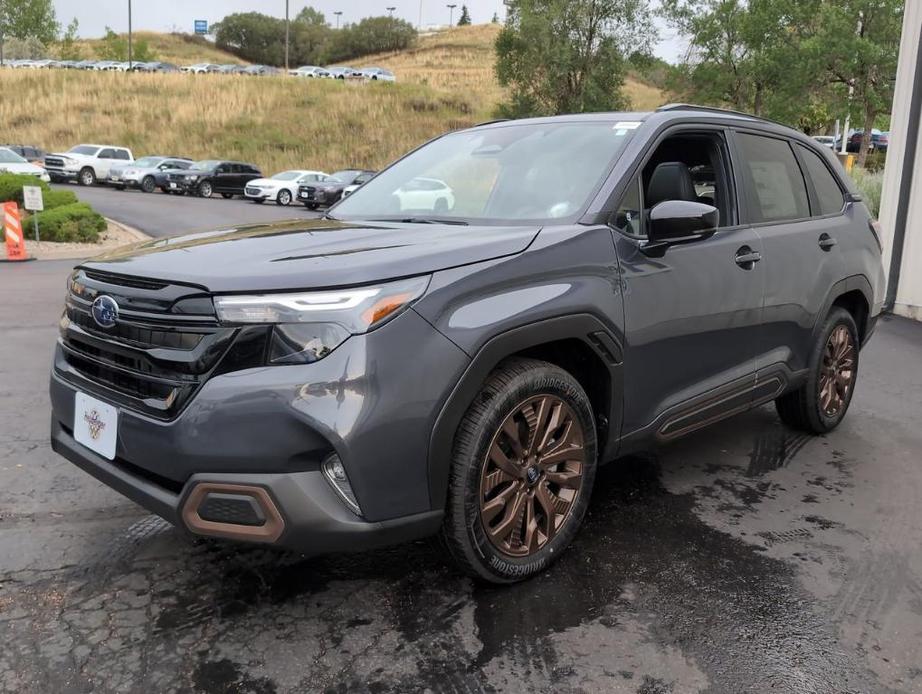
(201, 27)
(32, 201)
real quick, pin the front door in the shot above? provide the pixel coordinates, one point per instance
(693, 312)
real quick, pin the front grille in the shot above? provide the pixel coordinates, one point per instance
(54, 163)
(250, 190)
(151, 362)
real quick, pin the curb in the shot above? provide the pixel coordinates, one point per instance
(87, 250)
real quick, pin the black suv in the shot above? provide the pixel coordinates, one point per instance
(313, 195)
(229, 178)
(588, 286)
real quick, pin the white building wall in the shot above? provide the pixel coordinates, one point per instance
(909, 291)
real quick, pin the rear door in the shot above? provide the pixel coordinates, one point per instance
(796, 205)
(224, 178)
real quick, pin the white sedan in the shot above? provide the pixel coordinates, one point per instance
(283, 187)
(425, 194)
(310, 71)
(12, 163)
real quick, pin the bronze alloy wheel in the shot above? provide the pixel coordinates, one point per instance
(532, 475)
(837, 372)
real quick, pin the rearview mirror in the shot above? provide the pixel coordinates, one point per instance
(679, 221)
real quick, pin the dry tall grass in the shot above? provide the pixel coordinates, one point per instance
(275, 122)
(446, 82)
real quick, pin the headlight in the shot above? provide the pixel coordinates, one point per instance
(191, 178)
(310, 325)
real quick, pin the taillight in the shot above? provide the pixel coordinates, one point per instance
(876, 230)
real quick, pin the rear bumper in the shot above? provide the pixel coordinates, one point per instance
(311, 518)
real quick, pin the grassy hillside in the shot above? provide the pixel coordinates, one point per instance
(276, 122)
(182, 49)
(461, 60)
(445, 83)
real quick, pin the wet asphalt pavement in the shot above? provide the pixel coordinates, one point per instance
(745, 558)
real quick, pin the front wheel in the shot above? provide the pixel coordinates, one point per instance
(148, 184)
(820, 404)
(87, 176)
(227, 196)
(311, 205)
(283, 198)
(522, 471)
(204, 189)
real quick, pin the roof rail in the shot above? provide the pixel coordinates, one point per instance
(714, 109)
(491, 122)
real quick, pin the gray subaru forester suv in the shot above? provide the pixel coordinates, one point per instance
(456, 358)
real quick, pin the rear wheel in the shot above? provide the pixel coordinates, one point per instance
(259, 201)
(227, 196)
(148, 185)
(311, 205)
(284, 197)
(204, 189)
(820, 404)
(522, 471)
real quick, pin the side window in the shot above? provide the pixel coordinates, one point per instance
(828, 193)
(776, 185)
(122, 154)
(222, 169)
(629, 215)
(106, 154)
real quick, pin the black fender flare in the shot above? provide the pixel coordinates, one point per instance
(844, 286)
(584, 327)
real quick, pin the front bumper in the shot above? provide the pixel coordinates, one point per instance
(62, 174)
(252, 193)
(271, 427)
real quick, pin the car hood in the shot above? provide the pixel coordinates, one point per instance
(309, 254)
(21, 167)
(270, 183)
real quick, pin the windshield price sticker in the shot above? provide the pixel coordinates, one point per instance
(626, 125)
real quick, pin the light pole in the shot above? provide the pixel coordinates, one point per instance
(451, 14)
(419, 26)
(390, 11)
(130, 64)
(286, 35)
(338, 15)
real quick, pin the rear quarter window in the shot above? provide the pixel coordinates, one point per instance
(828, 193)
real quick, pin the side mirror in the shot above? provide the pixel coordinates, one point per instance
(680, 221)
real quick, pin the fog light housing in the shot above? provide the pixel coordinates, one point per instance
(333, 470)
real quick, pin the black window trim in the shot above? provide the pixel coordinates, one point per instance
(672, 129)
(811, 189)
(808, 187)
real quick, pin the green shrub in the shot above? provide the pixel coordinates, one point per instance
(11, 186)
(58, 198)
(75, 222)
(870, 184)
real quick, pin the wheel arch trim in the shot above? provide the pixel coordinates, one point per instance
(508, 343)
(839, 289)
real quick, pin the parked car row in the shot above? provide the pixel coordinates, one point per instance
(374, 74)
(880, 141)
(88, 164)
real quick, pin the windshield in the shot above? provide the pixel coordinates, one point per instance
(287, 175)
(346, 176)
(8, 156)
(205, 165)
(518, 173)
(147, 162)
(83, 149)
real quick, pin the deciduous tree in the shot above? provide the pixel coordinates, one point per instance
(568, 56)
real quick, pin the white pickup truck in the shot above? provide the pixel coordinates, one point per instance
(86, 163)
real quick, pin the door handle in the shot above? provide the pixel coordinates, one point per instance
(826, 242)
(746, 258)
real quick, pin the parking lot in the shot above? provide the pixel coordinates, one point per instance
(743, 558)
(157, 214)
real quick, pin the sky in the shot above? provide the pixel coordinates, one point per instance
(178, 15)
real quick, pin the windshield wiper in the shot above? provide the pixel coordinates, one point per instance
(423, 220)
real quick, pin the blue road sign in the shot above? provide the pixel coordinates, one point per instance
(201, 26)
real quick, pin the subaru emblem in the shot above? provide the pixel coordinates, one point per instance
(105, 311)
